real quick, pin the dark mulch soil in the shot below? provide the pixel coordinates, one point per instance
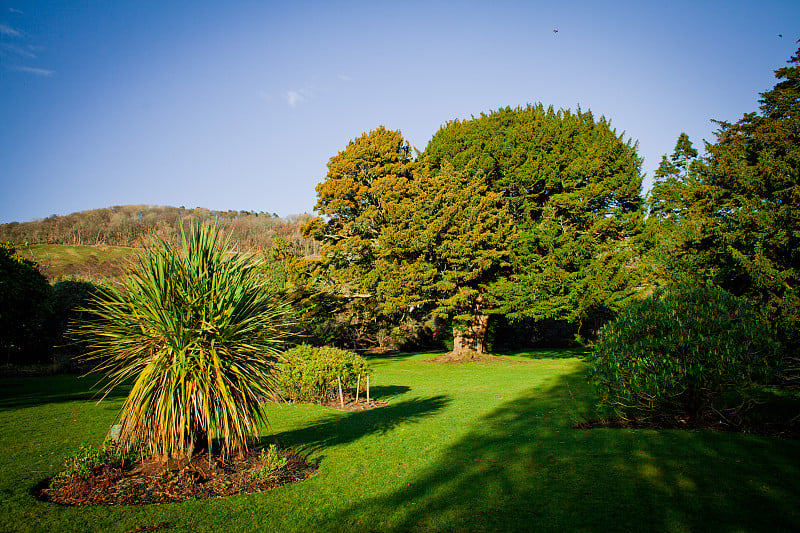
(784, 430)
(350, 404)
(153, 482)
(347, 403)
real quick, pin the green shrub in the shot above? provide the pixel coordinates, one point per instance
(88, 461)
(690, 351)
(270, 461)
(24, 308)
(309, 374)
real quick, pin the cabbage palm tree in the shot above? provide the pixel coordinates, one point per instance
(196, 332)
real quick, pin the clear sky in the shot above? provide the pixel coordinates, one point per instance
(240, 104)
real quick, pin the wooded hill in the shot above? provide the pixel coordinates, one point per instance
(132, 225)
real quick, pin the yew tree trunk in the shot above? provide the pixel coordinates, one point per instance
(470, 338)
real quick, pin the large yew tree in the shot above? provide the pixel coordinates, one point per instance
(446, 242)
(572, 188)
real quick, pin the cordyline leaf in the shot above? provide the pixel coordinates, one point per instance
(197, 332)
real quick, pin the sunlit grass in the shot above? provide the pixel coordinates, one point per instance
(475, 447)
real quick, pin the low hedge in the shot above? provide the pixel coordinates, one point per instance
(309, 374)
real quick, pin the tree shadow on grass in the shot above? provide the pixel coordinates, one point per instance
(397, 355)
(524, 468)
(382, 392)
(547, 353)
(343, 429)
(30, 391)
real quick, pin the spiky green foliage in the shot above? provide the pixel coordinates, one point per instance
(196, 332)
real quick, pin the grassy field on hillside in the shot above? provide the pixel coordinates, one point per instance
(470, 447)
(92, 263)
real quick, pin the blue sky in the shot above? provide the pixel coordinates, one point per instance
(239, 105)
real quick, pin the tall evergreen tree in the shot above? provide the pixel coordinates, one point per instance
(362, 180)
(573, 189)
(369, 175)
(673, 180)
(445, 244)
(755, 163)
(681, 206)
(733, 218)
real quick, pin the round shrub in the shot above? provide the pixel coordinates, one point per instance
(689, 351)
(309, 374)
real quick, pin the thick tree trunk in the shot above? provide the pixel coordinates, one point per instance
(470, 339)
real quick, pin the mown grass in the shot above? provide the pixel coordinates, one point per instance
(93, 263)
(477, 447)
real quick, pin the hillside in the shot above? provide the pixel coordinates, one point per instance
(133, 225)
(93, 263)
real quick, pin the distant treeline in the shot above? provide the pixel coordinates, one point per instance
(134, 225)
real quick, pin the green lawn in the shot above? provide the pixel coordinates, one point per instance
(477, 447)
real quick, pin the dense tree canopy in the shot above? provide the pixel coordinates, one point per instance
(736, 214)
(756, 164)
(681, 206)
(371, 173)
(445, 243)
(573, 190)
